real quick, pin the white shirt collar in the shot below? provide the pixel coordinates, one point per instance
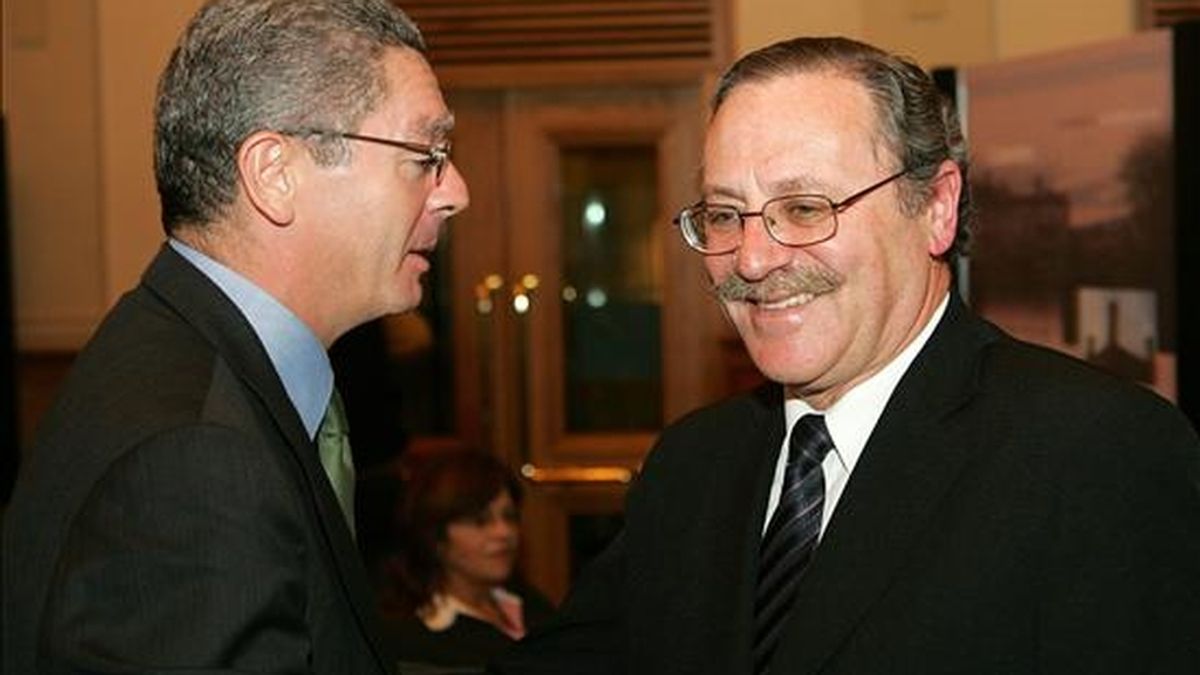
(443, 610)
(853, 417)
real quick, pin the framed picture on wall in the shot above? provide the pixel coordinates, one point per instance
(1077, 172)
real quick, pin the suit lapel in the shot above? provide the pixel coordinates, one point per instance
(201, 304)
(752, 483)
(909, 463)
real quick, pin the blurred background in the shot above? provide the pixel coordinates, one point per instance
(565, 323)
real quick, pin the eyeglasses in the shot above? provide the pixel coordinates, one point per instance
(792, 220)
(435, 157)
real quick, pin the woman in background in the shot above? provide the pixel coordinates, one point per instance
(455, 601)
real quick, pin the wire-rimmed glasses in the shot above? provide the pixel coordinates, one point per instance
(434, 157)
(792, 220)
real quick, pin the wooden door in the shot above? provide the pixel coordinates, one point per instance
(576, 322)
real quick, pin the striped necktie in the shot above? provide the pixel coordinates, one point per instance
(333, 446)
(791, 536)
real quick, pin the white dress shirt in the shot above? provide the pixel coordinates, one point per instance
(850, 421)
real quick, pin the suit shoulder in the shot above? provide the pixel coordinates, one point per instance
(726, 416)
(1054, 389)
(143, 374)
(716, 428)
(1040, 370)
(128, 378)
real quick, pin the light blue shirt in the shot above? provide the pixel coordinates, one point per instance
(298, 356)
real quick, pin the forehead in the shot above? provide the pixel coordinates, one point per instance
(414, 103)
(805, 129)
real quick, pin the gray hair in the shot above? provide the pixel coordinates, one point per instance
(915, 121)
(243, 66)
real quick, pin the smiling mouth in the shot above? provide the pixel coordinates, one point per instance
(784, 303)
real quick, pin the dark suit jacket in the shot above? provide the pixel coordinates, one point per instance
(1014, 511)
(173, 513)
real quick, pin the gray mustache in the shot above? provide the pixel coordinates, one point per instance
(778, 284)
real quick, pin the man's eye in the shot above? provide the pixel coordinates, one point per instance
(720, 218)
(802, 210)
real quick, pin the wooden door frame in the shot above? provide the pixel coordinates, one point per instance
(508, 143)
(537, 124)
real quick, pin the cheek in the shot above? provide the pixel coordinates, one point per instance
(718, 267)
(454, 547)
(408, 209)
(406, 223)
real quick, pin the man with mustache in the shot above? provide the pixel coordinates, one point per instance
(188, 504)
(916, 492)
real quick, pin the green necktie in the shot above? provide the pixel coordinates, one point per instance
(333, 444)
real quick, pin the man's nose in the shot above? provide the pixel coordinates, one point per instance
(759, 253)
(452, 196)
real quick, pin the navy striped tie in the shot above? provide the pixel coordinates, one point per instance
(792, 535)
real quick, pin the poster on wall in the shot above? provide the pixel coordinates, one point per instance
(1074, 181)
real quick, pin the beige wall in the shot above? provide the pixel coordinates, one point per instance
(1032, 26)
(136, 38)
(78, 92)
(53, 117)
(760, 22)
(939, 32)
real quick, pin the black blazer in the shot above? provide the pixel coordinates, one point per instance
(469, 643)
(1014, 511)
(173, 513)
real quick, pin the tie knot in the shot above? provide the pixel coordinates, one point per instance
(810, 440)
(334, 423)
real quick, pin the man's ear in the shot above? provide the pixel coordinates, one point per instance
(266, 169)
(942, 207)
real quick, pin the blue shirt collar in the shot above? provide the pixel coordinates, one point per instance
(298, 356)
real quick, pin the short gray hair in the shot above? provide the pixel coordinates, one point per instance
(243, 66)
(915, 121)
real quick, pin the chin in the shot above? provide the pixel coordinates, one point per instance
(784, 366)
(405, 307)
(491, 578)
(407, 302)
(500, 572)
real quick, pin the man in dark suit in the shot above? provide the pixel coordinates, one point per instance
(918, 492)
(177, 512)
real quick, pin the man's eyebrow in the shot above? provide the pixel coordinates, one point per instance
(799, 184)
(720, 192)
(440, 127)
(795, 184)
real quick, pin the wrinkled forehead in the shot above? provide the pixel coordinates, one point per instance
(801, 98)
(793, 129)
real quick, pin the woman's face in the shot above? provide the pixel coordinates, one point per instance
(481, 550)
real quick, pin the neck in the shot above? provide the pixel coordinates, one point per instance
(475, 595)
(935, 290)
(270, 267)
